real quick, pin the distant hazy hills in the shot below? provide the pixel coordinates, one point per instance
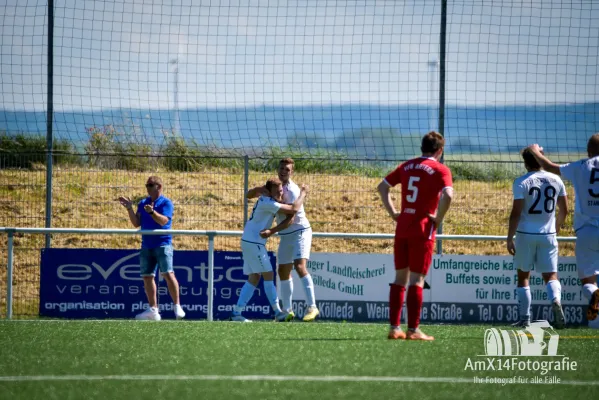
(385, 132)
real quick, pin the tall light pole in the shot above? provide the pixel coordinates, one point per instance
(433, 64)
(175, 62)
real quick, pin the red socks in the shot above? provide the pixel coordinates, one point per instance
(396, 295)
(414, 306)
(414, 302)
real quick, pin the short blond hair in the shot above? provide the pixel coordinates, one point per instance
(272, 182)
(155, 180)
(287, 160)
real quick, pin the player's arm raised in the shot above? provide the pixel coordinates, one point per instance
(257, 192)
(291, 209)
(545, 163)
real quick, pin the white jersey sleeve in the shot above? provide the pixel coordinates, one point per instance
(271, 206)
(518, 189)
(562, 190)
(584, 175)
(567, 171)
(261, 218)
(291, 192)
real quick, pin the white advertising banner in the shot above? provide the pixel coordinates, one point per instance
(463, 289)
(493, 279)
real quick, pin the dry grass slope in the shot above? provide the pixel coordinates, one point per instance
(213, 199)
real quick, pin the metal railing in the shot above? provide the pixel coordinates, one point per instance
(10, 232)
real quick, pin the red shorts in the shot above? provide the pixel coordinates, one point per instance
(415, 253)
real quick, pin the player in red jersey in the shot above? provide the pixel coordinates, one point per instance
(425, 198)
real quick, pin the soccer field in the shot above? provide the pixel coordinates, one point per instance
(263, 360)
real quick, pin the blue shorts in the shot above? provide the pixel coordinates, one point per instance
(151, 259)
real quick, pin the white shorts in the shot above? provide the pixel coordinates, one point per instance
(536, 251)
(255, 258)
(587, 251)
(295, 246)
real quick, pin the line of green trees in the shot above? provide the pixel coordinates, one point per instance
(107, 148)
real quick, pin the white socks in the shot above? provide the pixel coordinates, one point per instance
(554, 291)
(309, 287)
(287, 294)
(271, 293)
(247, 291)
(524, 302)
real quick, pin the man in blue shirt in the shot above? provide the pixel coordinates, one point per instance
(155, 212)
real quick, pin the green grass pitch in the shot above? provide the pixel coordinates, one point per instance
(265, 360)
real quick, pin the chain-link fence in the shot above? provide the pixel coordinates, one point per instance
(214, 199)
(210, 96)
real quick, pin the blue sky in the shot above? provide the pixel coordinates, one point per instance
(243, 53)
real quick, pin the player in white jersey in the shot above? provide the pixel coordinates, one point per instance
(534, 223)
(256, 262)
(584, 175)
(294, 246)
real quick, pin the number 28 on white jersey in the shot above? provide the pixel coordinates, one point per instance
(539, 190)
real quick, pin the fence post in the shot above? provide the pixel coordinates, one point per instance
(442, 46)
(9, 276)
(246, 177)
(49, 119)
(210, 275)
